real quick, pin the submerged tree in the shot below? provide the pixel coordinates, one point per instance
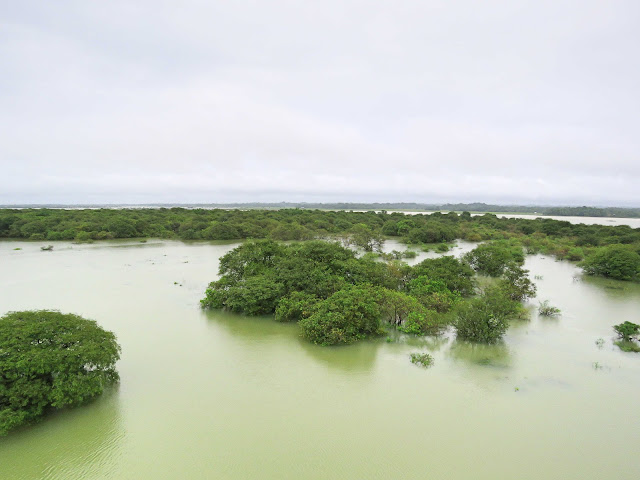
(346, 316)
(50, 360)
(614, 261)
(485, 318)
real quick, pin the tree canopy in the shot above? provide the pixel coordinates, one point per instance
(50, 360)
(338, 297)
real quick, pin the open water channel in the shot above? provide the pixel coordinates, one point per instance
(210, 395)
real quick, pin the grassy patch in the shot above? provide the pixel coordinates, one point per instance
(628, 346)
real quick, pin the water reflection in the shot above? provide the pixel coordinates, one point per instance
(357, 358)
(431, 343)
(496, 356)
(617, 289)
(85, 442)
(249, 328)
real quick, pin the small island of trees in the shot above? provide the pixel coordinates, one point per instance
(49, 361)
(338, 297)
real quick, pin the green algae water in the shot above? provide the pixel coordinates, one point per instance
(210, 395)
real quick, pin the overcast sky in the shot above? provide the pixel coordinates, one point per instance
(506, 101)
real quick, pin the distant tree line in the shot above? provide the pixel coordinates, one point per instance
(477, 207)
(562, 239)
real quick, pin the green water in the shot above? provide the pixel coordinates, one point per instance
(208, 395)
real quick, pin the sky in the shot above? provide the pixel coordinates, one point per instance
(501, 101)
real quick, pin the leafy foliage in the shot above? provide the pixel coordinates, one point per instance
(547, 310)
(493, 258)
(295, 306)
(614, 261)
(516, 284)
(346, 316)
(456, 275)
(50, 360)
(537, 235)
(422, 359)
(627, 330)
(486, 318)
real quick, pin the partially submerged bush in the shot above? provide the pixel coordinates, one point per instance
(295, 306)
(456, 275)
(627, 330)
(615, 261)
(493, 258)
(422, 359)
(515, 283)
(628, 346)
(50, 360)
(346, 316)
(547, 310)
(485, 319)
(427, 322)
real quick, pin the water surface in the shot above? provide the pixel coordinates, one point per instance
(212, 395)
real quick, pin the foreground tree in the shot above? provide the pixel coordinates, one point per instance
(485, 319)
(50, 360)
(615, 261)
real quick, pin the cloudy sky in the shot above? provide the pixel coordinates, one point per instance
(298, 100)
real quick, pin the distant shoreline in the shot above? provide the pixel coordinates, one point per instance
(474, 208)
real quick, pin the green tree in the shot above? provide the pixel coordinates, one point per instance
(456, 275)
(493, 258)
(365, 237)
(614, 261)
(50, 360)
(485, 319)
(433, 294)
(627, 330)
(516, 284)
(346, 316)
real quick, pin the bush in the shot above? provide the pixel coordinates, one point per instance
(627, 330)
(485, 318)
(628, 346)
(346, 316)
(547, 310)
(516, 284)
(426, 322)
(295, 306)
(422, 359)
(50, 360)
(615, 261)
(456, 275)
(493, 258)
(433, 294)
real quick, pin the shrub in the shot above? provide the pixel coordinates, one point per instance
(50, 360)
(627, 330)
(485, 318)
(295, 306)
(346, 316)
(615, 261)
(456, 275)
(547, 310)
(628, 346)
(516, 284)
(493, 258)
(422, 359)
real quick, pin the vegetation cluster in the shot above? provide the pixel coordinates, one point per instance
(50, 360)
(338, 297)
(612, 251)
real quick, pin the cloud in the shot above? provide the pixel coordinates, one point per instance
(340, 100)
